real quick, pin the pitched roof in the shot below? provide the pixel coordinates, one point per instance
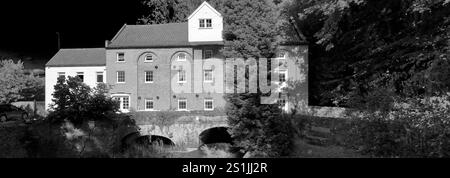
(156, 35)
(203, 5)
(160, 35)
(78, 57)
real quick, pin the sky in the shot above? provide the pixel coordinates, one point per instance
(28, 28)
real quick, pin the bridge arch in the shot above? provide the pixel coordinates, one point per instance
(215, 135)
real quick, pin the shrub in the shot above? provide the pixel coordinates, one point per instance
(219, 150)
(258, 128)
(86, 121)
(414, 127)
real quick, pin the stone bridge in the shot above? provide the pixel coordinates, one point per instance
(184, 130)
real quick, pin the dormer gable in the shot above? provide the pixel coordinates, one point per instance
(205, 24)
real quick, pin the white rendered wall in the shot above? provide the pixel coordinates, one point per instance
(51, 76)
(197, 34)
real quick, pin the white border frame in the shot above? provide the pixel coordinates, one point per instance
(286, 75)
(204, 104)
(117, 57)
(212, 76)
(145, 104)
(121, 102)
(96, 77)
(180, 59)
(178, 105)
(148, 61)
(185, 76)
(145, 76)
(117, 77)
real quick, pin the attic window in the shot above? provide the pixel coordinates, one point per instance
(205, 23)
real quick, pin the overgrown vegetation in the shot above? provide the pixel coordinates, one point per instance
(83, 122)
(357, 46)
(15, 84)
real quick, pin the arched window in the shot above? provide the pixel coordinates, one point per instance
(182, 57)
(149, 58)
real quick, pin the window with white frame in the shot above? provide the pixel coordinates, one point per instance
(124, 102)
(149, 105)
(181, 76)
(120, 76)
(282, 103)
(208, 54)
(99, 77)
(283, 76)
(120, 57)
(205, 23)
(208, 76)
(182, 104)
(209, 104)
(148, 76)
(80, 75)
(148, 58)
(182, 57)
(202, 23)
(208, 23)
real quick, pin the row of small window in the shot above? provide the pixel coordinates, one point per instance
(182, 105)
(80, 75)
(208, 76)
(181, 57)
(150, 105)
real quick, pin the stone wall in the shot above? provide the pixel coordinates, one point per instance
(185, 130)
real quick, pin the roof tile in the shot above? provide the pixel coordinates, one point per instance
(78, 57)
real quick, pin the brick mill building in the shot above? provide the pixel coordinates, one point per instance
(140, 65)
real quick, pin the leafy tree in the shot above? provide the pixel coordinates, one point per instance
(167, 11)
(361, 45)
(76, 106)
(251, 31)
(15, 84)
(76, 102)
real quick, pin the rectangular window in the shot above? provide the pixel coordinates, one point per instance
(120, 57)
(202, 23)
(148, 76)
(99, 77)
(124, 102)
(61, 74)
(283, 76)
(209, 104)
(120, 76)
(80, 75)
(182, 76)
(282, 103)
(208, 54)
(205, 23)
(208, 23)
(208, 76)
(182, 104)
(149, 104)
